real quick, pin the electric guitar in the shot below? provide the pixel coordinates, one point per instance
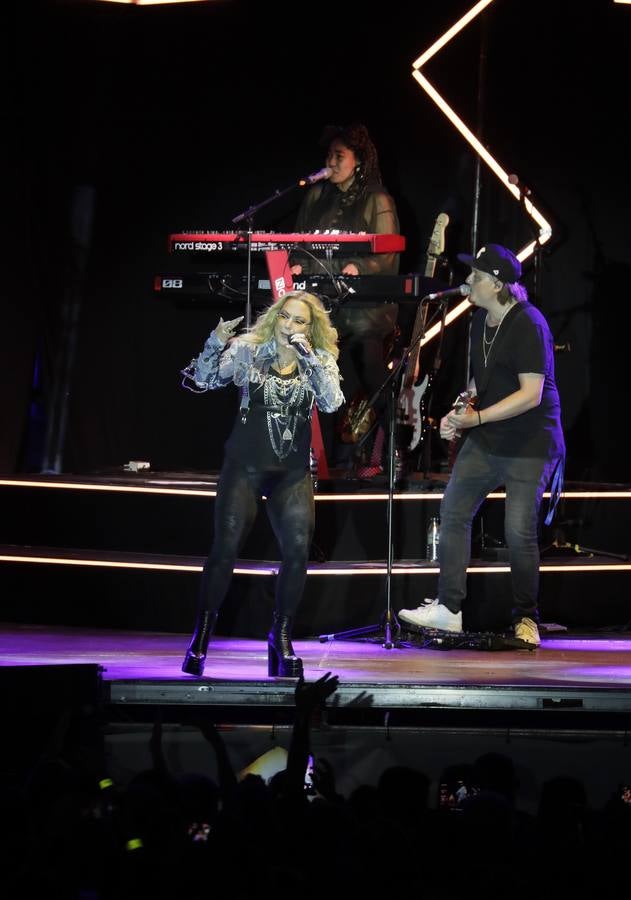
(358, 420)
(411, 394)
(465, 400)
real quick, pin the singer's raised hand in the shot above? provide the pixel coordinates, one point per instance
(225, 330)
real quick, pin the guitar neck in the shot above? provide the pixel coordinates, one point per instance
(417, 330)
(430, 265)
(435, 247)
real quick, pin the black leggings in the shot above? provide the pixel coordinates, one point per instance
(290, 509)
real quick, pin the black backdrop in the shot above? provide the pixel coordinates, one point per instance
(127, 123)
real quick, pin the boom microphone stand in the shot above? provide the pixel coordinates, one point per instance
(389, 624)
(248, 216)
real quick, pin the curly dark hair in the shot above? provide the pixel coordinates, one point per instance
(355, 136)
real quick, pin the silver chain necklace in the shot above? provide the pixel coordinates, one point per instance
(287, 392)
(486, 344)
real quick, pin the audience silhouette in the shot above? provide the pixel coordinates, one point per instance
(70, 832)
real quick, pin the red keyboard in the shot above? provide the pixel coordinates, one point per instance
(345, 243)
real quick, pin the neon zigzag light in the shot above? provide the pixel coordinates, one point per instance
(545, 229)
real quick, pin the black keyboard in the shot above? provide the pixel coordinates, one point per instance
(339, 288)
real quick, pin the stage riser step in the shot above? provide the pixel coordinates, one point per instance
(166, 601)
(345, 529)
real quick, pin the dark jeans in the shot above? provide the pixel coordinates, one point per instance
(475, 474)
(290, 509)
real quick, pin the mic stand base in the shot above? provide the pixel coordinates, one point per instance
(587, 551)
(389, 629)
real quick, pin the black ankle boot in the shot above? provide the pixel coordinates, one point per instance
(281, 659)
(195, 658)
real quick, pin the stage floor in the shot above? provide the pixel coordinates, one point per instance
(573, 673)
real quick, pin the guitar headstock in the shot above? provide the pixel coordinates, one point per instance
(436, 244)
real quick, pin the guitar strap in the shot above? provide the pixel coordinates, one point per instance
(555, 489)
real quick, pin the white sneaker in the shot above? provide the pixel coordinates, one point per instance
(432, 614)
(526, 630)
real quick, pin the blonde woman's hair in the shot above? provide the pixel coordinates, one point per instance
(322, 335)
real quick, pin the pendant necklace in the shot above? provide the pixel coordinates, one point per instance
(486, 344)
(287, 395)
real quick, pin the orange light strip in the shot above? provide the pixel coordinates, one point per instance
(115, 488)
(100, 563)
(321, 498)
(380, 569)
(545, 229)
(494, 495)
(605, 567)
(451, 33)
(154, 2)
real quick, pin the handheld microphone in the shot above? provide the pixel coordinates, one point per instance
(463, 290)
(299, 346)
(326, 172)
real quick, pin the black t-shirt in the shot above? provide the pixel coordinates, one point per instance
(250, 442)
(524, 343)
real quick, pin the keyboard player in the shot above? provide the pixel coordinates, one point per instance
(353, 198)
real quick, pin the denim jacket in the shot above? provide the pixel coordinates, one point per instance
(243, 363)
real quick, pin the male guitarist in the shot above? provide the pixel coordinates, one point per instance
(513, 438)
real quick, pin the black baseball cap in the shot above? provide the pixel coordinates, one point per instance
(495, 260)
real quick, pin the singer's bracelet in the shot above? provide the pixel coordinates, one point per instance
(479, 418)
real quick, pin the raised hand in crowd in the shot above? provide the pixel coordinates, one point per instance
(308, 698)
